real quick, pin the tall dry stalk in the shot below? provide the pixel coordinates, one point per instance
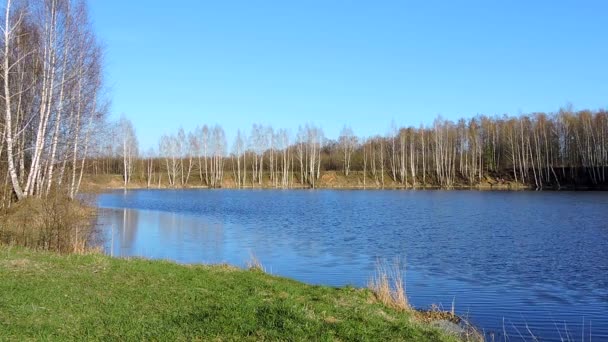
(388, 284)
(254, 263)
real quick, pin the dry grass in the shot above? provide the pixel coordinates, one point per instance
(55, 223)
(254, 263)
(388, 284)
(436, 313)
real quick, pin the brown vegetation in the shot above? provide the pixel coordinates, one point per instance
(55, 223)
(388, 284)
(254, 263)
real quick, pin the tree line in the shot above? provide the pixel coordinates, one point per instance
(539, 150)
(51, 96)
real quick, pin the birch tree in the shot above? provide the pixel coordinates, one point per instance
(129, 148)
(348, 143)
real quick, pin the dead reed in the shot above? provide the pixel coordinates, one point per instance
(388, 284)
(254, 263)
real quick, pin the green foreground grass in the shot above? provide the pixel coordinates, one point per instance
(47, 296)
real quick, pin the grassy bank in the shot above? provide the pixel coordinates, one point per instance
(47, 296)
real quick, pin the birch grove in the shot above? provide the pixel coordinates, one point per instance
(539, 150)
(51, 98)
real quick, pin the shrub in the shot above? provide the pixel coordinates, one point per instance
(54, 223)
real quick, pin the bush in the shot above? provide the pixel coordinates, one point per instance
(54, 223)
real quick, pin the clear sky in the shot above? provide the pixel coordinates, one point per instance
(361, 63)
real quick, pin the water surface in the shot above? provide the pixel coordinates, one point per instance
(509, 260)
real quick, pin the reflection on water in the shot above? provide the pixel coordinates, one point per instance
(165, 234)
(536, 259)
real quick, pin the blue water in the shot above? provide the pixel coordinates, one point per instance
(525, 263)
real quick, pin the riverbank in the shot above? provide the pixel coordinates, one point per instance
(329, 180)
(48, 296)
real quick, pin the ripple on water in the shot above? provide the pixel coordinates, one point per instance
(532, 260)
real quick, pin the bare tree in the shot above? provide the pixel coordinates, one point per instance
(9, 30)
(348, 143)
(239, 152)
(150, 155)
(129, 148)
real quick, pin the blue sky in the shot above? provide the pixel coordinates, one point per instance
(360, 63)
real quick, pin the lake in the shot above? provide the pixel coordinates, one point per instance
(517, 262)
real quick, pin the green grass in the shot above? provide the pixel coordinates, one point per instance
(46, 296)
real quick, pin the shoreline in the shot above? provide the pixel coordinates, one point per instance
(114, 182)
(353, 188)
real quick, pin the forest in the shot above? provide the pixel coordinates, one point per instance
(540, 151)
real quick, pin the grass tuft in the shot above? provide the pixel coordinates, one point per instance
(254, 263)
(388, 284)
